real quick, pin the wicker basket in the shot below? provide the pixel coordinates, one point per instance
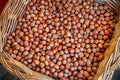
(8, 22)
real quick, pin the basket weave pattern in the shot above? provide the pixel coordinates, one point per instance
(8, 22)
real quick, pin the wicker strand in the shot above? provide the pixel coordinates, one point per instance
(115, 65)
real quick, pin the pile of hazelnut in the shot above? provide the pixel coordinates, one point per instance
(64, 39)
